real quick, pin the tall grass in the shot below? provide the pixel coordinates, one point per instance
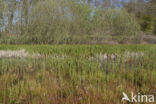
(77, 74)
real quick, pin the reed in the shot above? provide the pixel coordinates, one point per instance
(76, 74)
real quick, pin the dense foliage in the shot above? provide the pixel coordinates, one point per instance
(145, 12)
(75, 21)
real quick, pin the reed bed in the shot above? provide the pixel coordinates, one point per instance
(76, 74)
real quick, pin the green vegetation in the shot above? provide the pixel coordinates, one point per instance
(45, 72)
(76, 22)
(76, 74)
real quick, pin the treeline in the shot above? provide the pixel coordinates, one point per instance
(75, 21)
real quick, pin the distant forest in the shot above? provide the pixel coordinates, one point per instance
(77, 21)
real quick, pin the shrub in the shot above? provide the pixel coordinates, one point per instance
(117, 22)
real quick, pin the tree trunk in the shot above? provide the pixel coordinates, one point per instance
(11, 15)
(25, 7)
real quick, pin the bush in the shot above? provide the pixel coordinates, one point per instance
(117, 22)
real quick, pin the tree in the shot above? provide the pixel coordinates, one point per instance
(153, 10)
(1, 10)
(116, 22)
(11, 10)
(144, 11)
(26, 10)
(3, 14)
